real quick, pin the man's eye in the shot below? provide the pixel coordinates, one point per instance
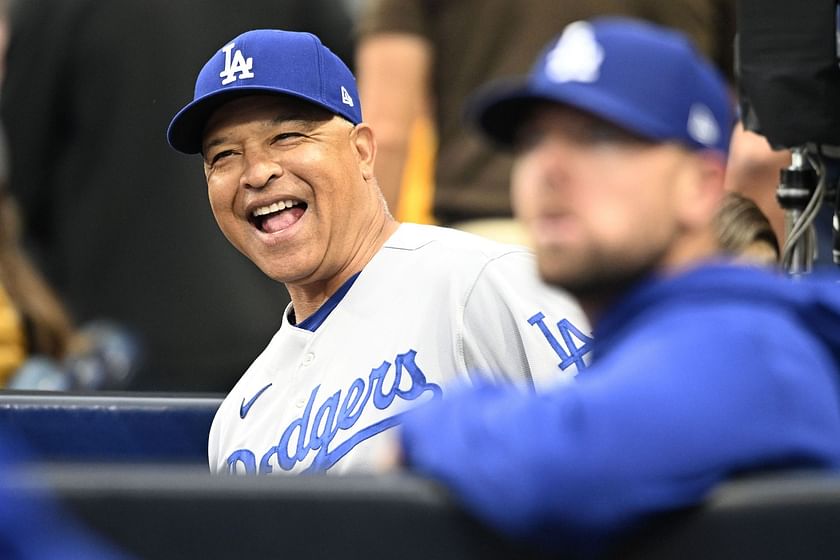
(526, 138)
(600, 134)
(220, 156)
(286, 136)
(603, 133)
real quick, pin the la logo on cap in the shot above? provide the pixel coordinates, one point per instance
(236, 64)
(577, 57)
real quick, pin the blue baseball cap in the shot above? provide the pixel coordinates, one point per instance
(266, 61)
(644, 78)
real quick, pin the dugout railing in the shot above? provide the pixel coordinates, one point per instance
(182, 513)
(132, 467)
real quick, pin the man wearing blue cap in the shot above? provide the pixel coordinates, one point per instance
(700, 369)
(383, 315)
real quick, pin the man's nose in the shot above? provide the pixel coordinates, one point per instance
(555, 158)
(260, 169)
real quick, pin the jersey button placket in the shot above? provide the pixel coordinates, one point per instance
(307, 360)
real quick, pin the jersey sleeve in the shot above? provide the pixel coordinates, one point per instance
(515, 328)
(649, 428)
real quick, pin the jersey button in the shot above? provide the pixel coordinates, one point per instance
(308, 358)
(300, 403)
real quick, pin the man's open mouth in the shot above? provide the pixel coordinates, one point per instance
(278, 215)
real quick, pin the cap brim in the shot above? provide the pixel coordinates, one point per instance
(499, 109)
(186, 130)
(187, 126)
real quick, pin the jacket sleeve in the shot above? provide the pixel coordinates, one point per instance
(652, 426)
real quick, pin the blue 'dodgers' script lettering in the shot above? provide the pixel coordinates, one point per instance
(339, 412)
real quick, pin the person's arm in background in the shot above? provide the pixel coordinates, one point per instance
(393, 70)
(12, 338)
(753, 166)
(753, 171)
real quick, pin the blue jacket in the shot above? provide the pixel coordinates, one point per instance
(33, 524)
(720, 370)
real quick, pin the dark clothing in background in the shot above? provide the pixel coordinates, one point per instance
(119, 223)
(475, 41)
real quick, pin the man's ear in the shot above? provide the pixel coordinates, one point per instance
(703, 194)
(364, 143)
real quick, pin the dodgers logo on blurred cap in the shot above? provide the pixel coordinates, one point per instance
(266, 61)
(577, 55)
(645, 78)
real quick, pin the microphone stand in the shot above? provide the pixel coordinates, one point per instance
(798, 195)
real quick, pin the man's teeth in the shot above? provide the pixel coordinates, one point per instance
(276, 207)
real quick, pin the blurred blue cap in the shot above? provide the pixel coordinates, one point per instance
(266, 61)
(644, 78)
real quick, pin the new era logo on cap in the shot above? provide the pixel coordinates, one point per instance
(702, 125)
(346, 98)
(266, 61)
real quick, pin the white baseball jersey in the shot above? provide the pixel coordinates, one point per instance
(434, 307)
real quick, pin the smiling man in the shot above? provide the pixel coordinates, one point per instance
(383, 315)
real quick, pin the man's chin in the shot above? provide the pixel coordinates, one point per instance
(593, 282)
(563, 268)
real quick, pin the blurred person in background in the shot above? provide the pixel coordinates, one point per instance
(753, 172)
(40, 346)
(419, 59)
(745, 232)
(32, 319)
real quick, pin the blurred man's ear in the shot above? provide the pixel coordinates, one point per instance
(702, 191)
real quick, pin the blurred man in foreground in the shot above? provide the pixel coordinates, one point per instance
(700, 369)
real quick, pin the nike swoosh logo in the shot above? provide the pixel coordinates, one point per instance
(246, 406)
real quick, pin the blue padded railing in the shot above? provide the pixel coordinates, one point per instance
(113, 427)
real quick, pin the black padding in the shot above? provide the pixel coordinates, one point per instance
(184, 513)
(181, 513)
(788, 76)
(780, 516)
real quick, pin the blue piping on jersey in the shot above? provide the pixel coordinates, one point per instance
(315, 320)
